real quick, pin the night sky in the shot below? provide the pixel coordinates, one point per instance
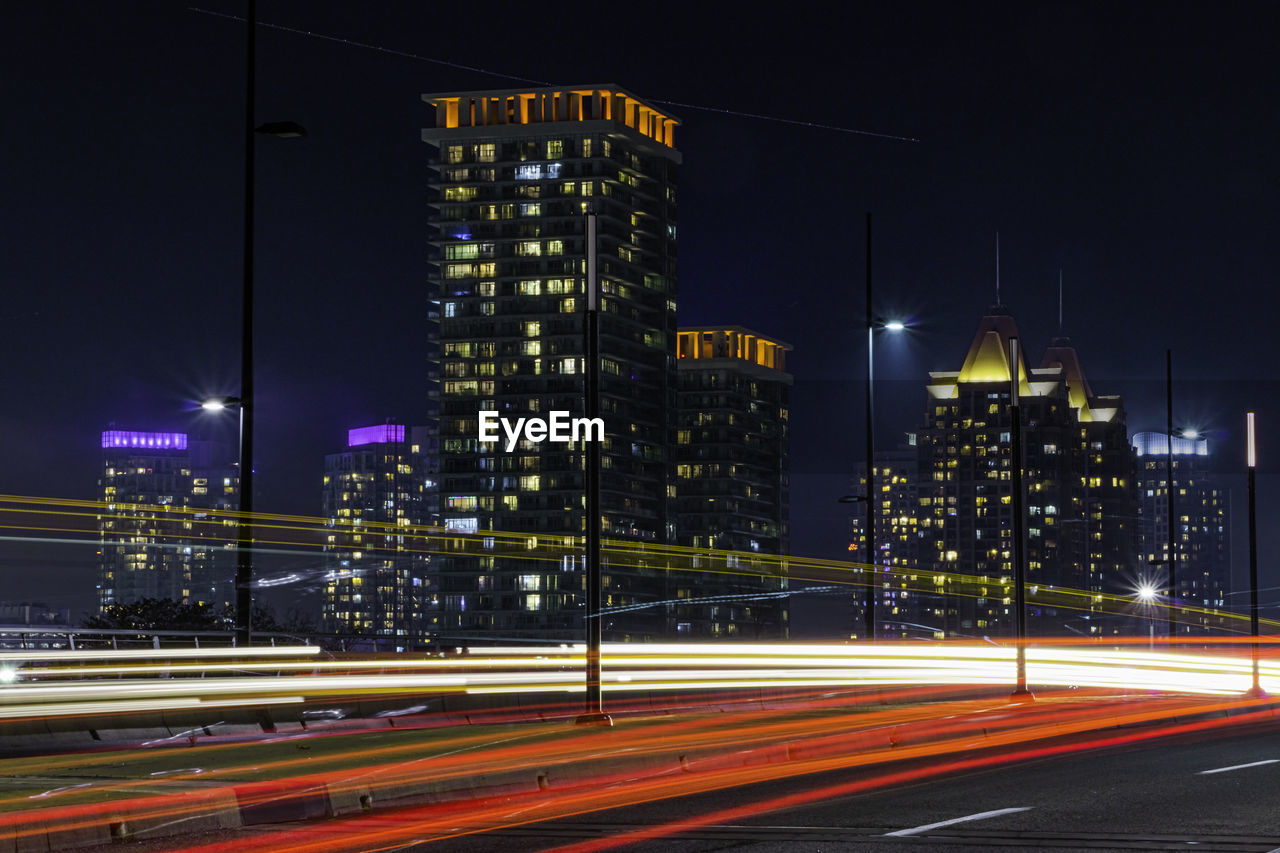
(1133, 146)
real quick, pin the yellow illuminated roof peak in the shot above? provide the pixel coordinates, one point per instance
(988, 356)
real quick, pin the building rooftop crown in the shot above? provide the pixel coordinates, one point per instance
(732, 342)
(1157, 444)
(148, 440)
(380, 434)
(553, 104)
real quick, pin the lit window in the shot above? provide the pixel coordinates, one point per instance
(461, 251)
(459, 193)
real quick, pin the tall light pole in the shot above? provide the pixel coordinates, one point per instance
(593, 713)
(244, 559)
(869, 534)
(1020, 690)
(1252, 460)
(283, 130)
(1173, 545)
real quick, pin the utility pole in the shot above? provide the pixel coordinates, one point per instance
(869, 611)
(1020, 691)
(593, 714)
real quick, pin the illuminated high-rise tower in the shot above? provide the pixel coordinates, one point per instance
(157, 538)
(378, 494)
(1080, 494)
(1202, 531)
(511, 174)
(733, 470)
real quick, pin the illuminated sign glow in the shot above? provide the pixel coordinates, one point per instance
(149, 440)
(380, 434)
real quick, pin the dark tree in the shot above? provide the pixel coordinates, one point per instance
(157, 614)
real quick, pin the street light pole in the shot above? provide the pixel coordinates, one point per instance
(244, 557)
(869, 534)
(1020, 690)
(593, 713)
(1255, 691)
(280, 130)
(1173, 545)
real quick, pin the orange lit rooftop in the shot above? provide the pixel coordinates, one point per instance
(733, 342)
(592, 102)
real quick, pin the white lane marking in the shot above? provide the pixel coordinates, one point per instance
(1240, 766)
(916, 830)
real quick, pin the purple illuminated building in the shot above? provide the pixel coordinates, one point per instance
(131, 439)
(380, 434)
(160, 532)
(379, 494)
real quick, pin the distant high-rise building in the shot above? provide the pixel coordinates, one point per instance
(1080, 498)
(511, 174)
(213, 534)
(898, 545)
(1202, 533)
(378, 493)
(156, 538)
(733, 483)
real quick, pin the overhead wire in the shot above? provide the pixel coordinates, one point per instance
(404, 54)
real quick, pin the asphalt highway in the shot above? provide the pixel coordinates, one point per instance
(1219, 793)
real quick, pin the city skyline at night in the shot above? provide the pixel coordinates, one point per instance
(1087, 141)
(639, 428)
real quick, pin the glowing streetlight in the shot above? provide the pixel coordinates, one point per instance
(217, 404)
(244, 558)
(1146, 593)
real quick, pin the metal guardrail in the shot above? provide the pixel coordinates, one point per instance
(55, 638)
(69, 638)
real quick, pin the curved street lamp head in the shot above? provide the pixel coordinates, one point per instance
(895, 326)
(217, 404)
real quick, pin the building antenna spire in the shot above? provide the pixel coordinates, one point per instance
(1059, 300)
(998, 302)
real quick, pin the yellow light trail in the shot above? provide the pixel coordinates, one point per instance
(63, 691)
